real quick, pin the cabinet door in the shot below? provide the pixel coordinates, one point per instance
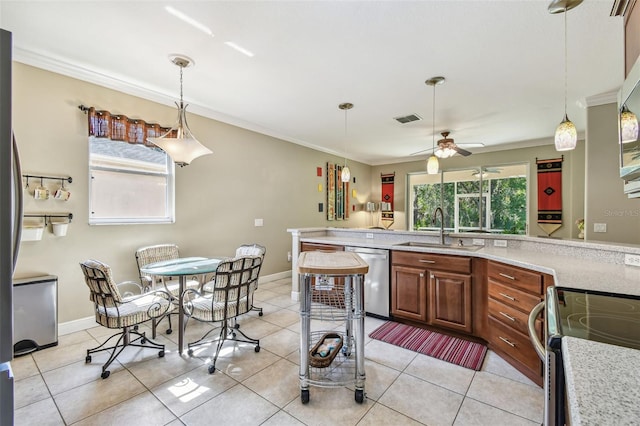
(450, 300)
(409, 293)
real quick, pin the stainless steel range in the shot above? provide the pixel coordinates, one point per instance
(604, 317)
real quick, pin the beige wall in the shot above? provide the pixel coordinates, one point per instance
(572, 181)
(250, 176)
(218, 197)
(605, 200)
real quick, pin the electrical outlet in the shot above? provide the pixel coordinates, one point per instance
(632, 259)
(500, 243)
(599, 227)
(369, 235)
(288, 256)
(258, 222)
(478, 242)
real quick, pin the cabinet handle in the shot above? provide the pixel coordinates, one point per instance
(513, 345)
(426, 261)
(507, 276)
(508, 297)
(507, 316)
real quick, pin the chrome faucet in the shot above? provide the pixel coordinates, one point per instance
(435, 213)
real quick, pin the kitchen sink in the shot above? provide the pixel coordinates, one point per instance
(438, 245)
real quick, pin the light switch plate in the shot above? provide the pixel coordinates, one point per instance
(478, 241)
(500, 243)
(599, 227)
(258, 222)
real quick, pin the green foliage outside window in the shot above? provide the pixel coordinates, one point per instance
(507, 211)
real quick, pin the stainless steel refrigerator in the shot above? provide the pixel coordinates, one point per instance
(10, 228)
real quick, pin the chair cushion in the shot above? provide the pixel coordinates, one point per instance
(134, 310)
(206, 309)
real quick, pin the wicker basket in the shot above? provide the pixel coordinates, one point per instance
(318, 361)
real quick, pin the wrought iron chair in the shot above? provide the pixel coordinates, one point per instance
(235, 282)
(158, 253)
(253, 250)
(114, 311)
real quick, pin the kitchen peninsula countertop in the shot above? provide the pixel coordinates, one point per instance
(603, 381)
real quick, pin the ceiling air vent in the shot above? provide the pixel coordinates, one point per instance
(407, 118)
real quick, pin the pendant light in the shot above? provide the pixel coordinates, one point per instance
(432, 163)
(345, 176)
(566, 135)
(179, 143)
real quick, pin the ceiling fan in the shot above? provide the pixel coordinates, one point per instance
(447, 148)
(486, 171)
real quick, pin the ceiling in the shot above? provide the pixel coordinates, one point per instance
(503, 62)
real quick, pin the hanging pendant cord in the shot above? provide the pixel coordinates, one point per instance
(433, 124)
(345, 137)
(565, 62)
(181, 68)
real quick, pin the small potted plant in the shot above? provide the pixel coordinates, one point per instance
(580, 225)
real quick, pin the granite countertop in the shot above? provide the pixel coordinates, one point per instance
(603, 381)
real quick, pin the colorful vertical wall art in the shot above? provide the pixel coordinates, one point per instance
(387, 198)
(550, 194)
(337, 194)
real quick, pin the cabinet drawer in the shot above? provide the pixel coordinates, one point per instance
(432, 261)
(318, 246)
(520, 300)
(516, 345)
(512, 317)
(515, 277)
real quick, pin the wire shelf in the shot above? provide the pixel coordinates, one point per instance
(342, 370)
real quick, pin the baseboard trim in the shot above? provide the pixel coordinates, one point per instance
(89, 322)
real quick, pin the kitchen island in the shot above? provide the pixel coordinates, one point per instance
(571, 263)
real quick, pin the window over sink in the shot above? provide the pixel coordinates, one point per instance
(488, 199)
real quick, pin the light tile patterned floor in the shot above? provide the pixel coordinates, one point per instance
(55, 386)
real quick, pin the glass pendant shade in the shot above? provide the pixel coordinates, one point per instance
(628, 126)
(179, 143)
(184, 147)
(433, 165)
(566, 135)
(345, 176)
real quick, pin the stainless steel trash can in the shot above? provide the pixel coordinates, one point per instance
(35, 314)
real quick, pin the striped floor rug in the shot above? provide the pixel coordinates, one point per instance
(450, 349)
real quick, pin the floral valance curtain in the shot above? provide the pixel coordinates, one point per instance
(118, 127)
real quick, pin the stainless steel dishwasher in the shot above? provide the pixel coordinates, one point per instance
(376, 281)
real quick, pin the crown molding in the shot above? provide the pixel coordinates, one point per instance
(602, 99)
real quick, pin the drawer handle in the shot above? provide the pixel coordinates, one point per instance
(507, 316)
(513, 345)
(508, 297)
(426, 261)
(507, 276)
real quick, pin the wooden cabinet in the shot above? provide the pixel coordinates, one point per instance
(409, 293)
(450, 300)
(304, 246)
(432, 289)
(512, 293)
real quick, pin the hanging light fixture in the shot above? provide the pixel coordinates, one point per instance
(345, 176)
(628, 125)
(432, 163)
(179, 143)
(566, 135)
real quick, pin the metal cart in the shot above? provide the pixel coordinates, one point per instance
(332, 289)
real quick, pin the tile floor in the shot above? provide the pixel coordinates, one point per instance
(56, 387)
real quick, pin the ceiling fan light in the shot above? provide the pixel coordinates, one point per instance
(433, 165)
(566, 135)
(628, 126)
